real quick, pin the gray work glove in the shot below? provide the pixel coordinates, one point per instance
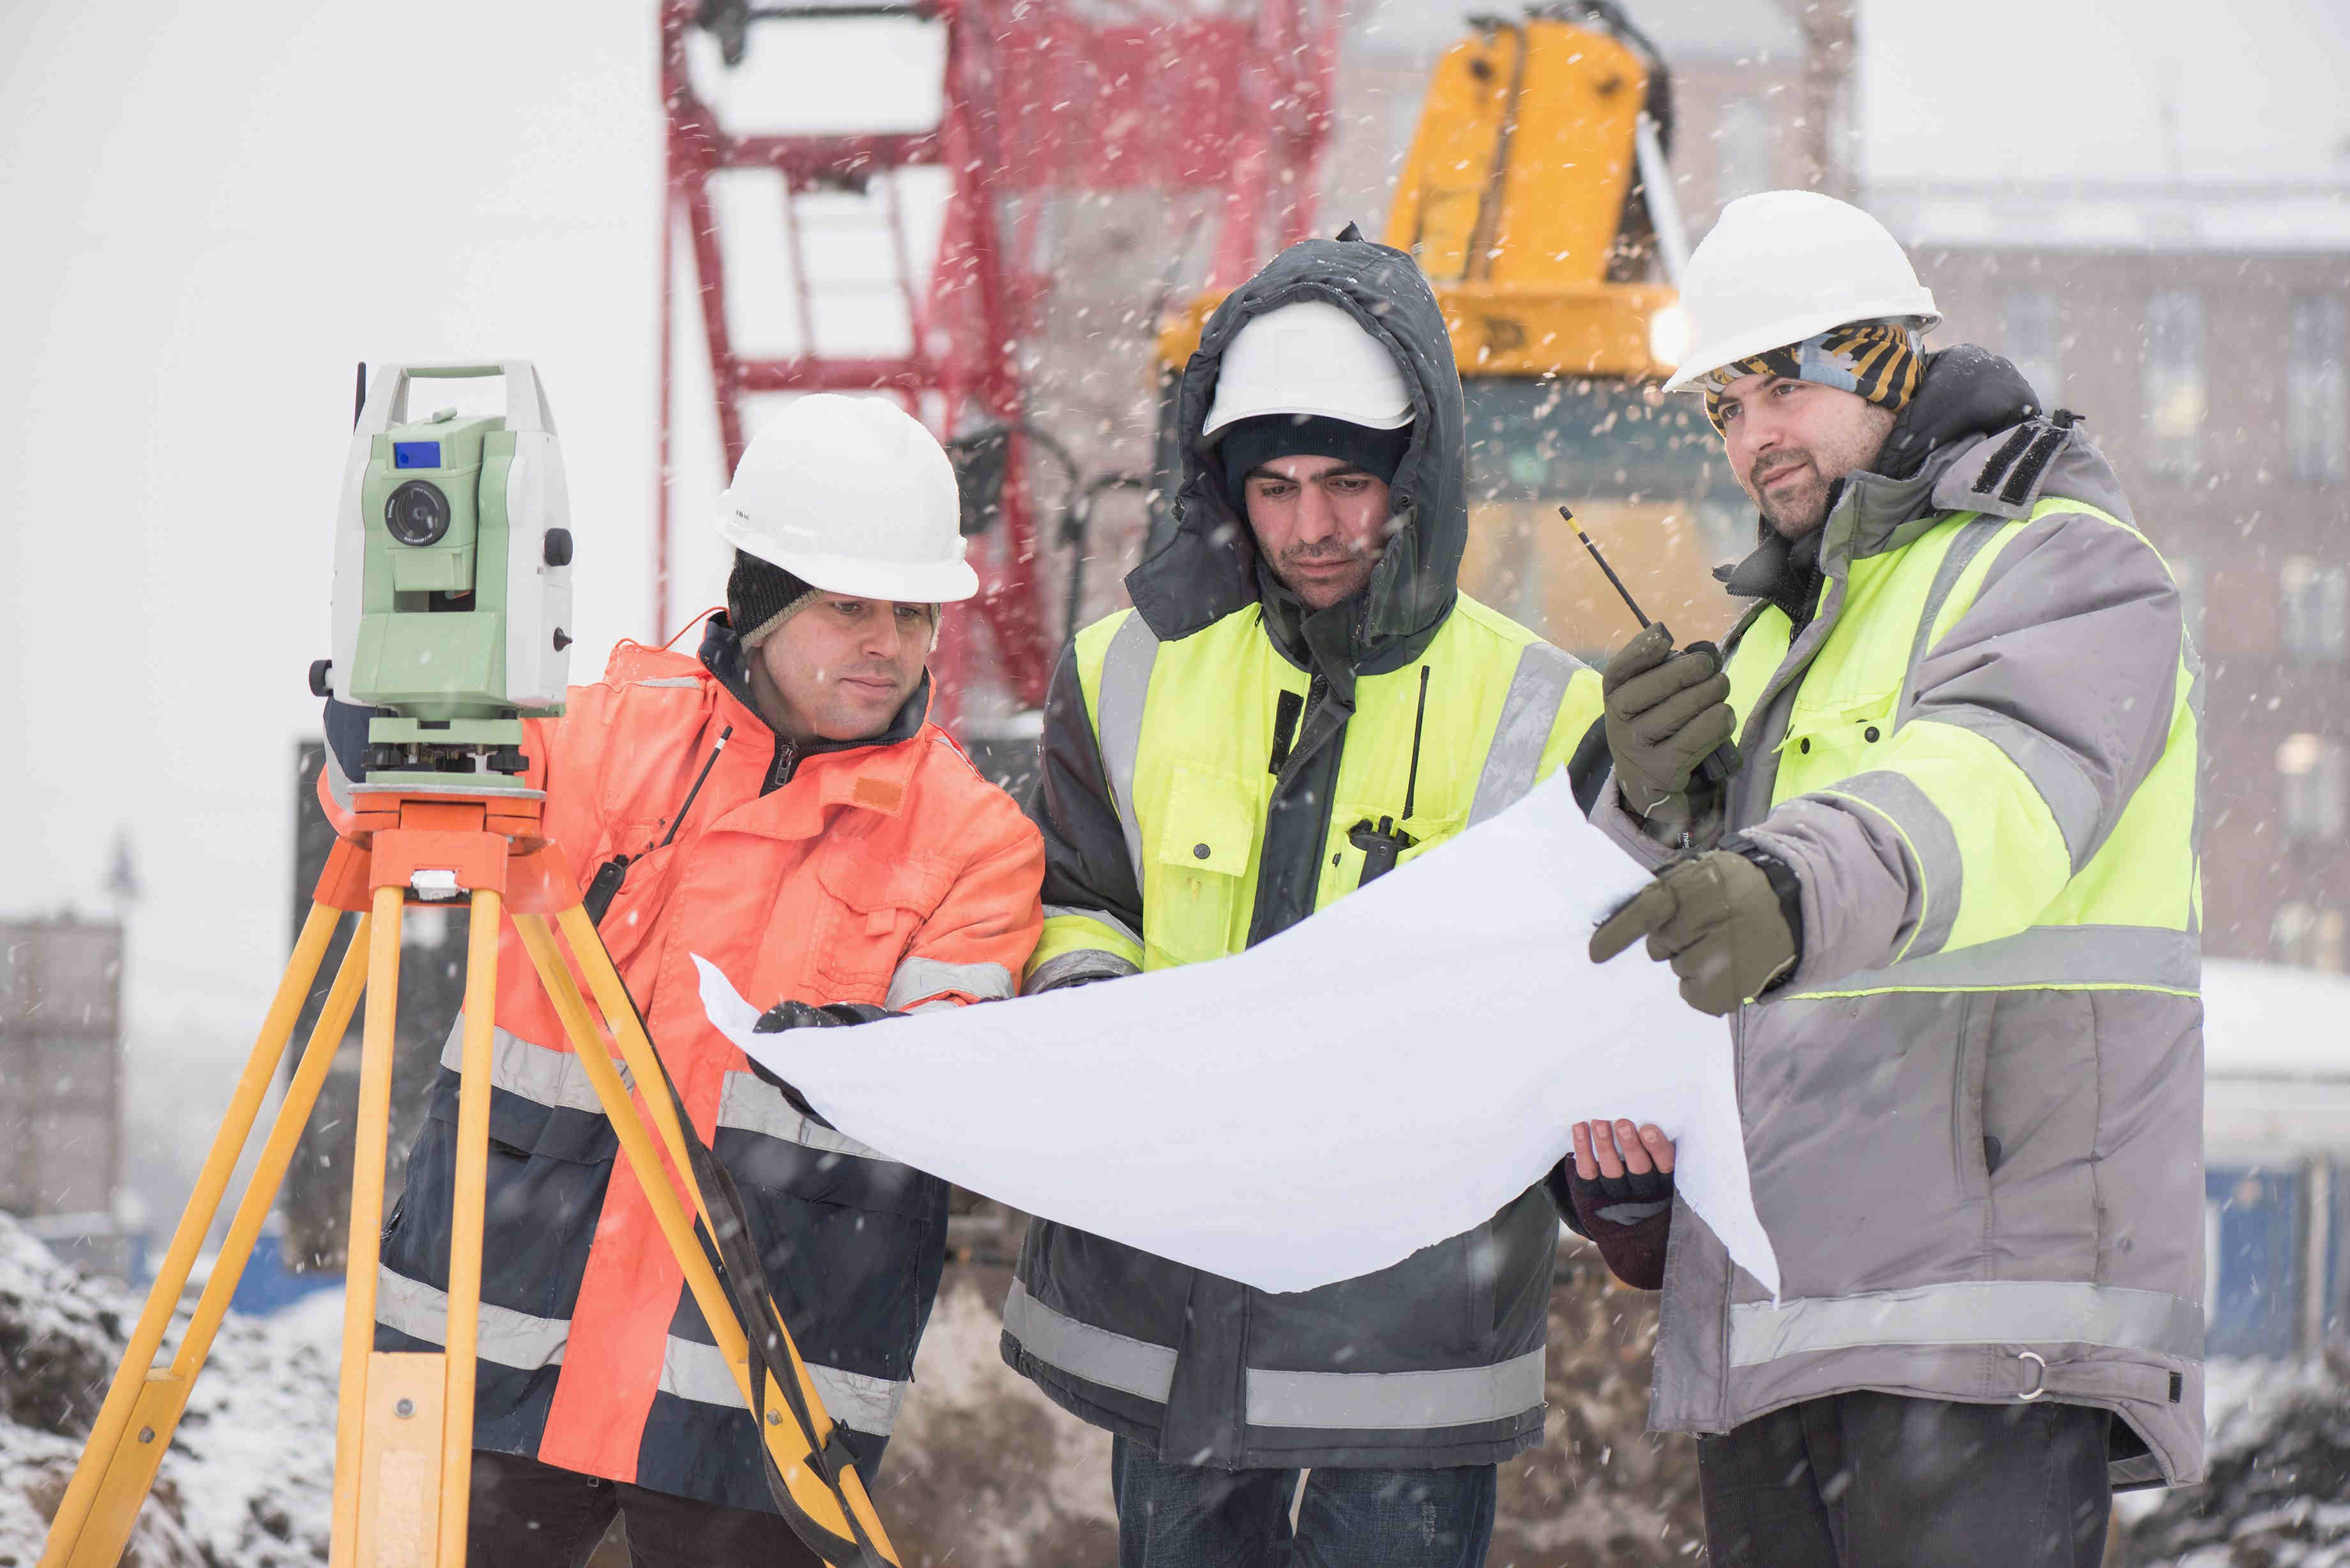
(1666, 713)
(1720, 918)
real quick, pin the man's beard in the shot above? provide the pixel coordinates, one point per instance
(1791, 513)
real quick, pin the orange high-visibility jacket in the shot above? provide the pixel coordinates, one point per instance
(886, 871)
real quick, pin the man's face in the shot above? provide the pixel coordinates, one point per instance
(1789, 441)
(1320, 524)
(841, 669)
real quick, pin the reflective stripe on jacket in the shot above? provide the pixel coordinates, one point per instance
(1974, 1114)
(1438, 1360)
(888, 872)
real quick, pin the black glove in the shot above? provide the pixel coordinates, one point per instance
(809, 1016)
(1622, 1200)
(1729, 921)
(1666, 713)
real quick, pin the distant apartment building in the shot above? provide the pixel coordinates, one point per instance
(2201, 331)
(61, 1086)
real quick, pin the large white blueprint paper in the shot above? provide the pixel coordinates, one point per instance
(1370, 1082)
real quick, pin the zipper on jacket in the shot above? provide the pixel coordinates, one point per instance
(786, 763)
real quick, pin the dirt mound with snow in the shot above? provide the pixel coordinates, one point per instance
(249, 1475)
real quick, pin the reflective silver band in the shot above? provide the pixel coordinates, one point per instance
(751, 1104)
(1083, 963)
(1397, 1401)
(2085, 957)
(691, 1370)
(2072, 799)
(1941, 871)
(1117, 720)
(670, 680)
(1328, 1401)
(537, 1073)
(1529, 714)
(506, 1336)
(1971, 537)
(1975, 1311)
(918, 979)
(1133, 1366)
(1098, 916)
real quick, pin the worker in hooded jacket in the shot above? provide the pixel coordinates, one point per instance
(840, 852)
(1300, 700)
(1951, 906)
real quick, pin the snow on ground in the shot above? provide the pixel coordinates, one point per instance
(249, 1477)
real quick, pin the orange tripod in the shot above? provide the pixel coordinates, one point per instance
(403, 1445)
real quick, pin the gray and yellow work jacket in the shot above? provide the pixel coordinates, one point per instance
(1974, 1111)
(1216, 764)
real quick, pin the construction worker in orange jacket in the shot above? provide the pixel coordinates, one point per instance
(841, 852)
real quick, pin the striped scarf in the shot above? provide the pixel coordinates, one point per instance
(1877, 360)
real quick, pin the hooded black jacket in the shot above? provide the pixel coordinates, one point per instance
(1448, 1343)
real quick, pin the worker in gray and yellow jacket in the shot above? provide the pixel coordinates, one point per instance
(1950, 903)
(1300, 698)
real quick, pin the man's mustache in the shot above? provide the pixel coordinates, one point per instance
(1757, 476)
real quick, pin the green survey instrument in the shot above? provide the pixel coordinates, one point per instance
(453, 580)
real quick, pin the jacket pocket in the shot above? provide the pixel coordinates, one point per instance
(1207, 840)
(1833, 737)
(873, 905)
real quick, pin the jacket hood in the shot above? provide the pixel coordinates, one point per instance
(1209, 568)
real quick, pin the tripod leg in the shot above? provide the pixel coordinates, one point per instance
(470, 1198)
(371, 1133)
(132, 1377)
(792, 1456)
(132, 1470)
(783, 1438)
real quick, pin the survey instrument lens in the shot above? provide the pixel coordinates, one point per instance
(417, 513)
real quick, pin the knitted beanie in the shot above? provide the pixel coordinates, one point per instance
(1251, 443)
(1876, 360)
(760, 597)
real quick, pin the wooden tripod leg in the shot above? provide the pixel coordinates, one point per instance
(469, 1198)
(131, 1376)
(782, 1437)
(361, 1434)
(130, 1472)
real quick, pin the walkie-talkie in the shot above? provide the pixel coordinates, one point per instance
(1723, 759)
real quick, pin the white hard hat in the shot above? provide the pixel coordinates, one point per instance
(1785, 265)
(854, 496)
(1310, 357)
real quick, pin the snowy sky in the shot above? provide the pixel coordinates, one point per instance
(214, 210)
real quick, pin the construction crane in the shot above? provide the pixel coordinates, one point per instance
(1049, 111)
(1537, 198)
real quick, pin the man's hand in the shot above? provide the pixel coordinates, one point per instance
(1613, 1151)
(1717, 919)
(809, 1016)
(1666, 713)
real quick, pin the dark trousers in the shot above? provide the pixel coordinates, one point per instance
(1878, 1480)
(530, 1515)
(1182, 1516)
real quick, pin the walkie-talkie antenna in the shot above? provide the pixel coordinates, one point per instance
(1629, 602)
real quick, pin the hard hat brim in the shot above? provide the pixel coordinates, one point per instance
(1226, 418)
(1918, 310)
(857, 577)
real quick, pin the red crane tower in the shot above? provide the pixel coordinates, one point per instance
(1046, 104)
